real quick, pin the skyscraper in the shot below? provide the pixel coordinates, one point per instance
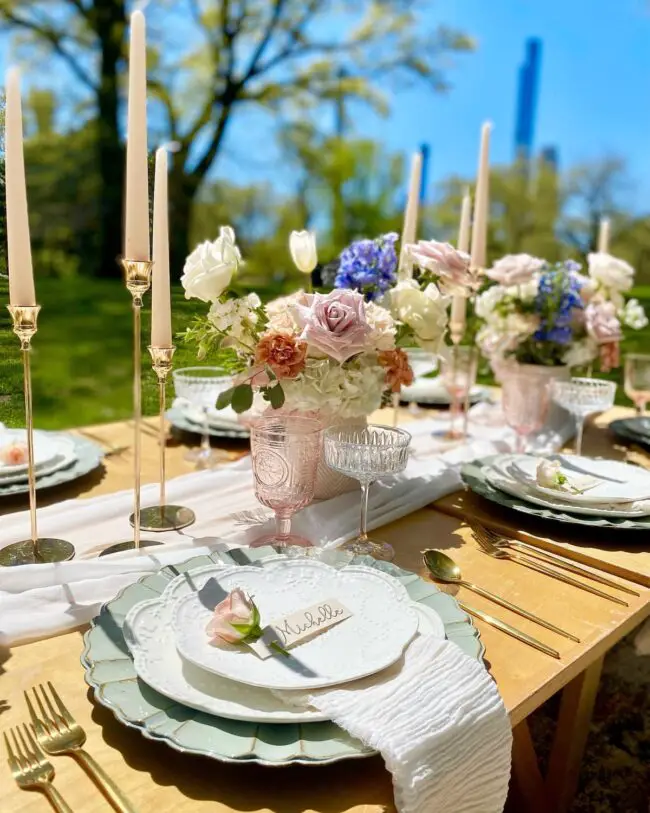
(527, 99)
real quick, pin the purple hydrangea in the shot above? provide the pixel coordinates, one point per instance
(369, 266)
(557, 298)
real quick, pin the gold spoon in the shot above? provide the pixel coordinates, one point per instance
(443, 568)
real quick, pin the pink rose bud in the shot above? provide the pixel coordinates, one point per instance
(237, 608)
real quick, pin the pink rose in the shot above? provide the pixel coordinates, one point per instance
(515, 269)
(451, 265)
(602, 322)
(334, 324)
(236, 608)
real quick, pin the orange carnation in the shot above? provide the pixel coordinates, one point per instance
(284, 354)
(398, 370)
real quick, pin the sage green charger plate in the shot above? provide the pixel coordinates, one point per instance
(110, 673)
(473, 475)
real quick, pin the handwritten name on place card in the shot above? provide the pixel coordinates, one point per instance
(301, 626)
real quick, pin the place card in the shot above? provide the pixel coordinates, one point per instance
(301, 626)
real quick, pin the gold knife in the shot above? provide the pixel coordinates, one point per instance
(512, 631)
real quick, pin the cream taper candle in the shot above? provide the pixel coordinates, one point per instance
(459, 302)
(481, 201)
(21, 273)
(136, 221)
(603, 235)
(409, 231)
(161, 314)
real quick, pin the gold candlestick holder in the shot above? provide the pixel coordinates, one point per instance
(137, 274)
(36, 549)
(163, 517)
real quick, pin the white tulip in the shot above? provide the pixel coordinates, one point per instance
(211, 266)
(302, 245)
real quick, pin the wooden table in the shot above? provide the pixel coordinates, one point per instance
(157, 779)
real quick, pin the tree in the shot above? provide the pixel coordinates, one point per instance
(271, 54)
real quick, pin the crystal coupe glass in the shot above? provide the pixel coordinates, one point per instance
(582, 397)
(366, 454)
(200, 387)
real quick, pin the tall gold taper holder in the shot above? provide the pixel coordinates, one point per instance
(163, 517)
(34, 550)
(137, 275)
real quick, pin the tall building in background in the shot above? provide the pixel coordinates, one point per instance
(425, 151)
(527, 100)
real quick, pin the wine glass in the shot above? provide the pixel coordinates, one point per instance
(200, 387)
(637, 380)
(366, 454)
(582, 397)
(525, 400)
(458, 368)
(285, 450)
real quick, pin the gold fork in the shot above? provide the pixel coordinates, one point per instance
(59, 733)
(30, 769)
(501, 541)
(498, 553)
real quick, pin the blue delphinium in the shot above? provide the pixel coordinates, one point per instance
(557, 299)
(369, 266)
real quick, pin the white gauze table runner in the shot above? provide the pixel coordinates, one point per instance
(40, 600)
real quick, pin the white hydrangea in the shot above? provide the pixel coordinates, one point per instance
(487, 302)
(633, 315)
(336, 391)
(581, 352)
(236, 318)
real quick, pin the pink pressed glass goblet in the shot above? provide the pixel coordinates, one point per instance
(525, 400)
(285, 451)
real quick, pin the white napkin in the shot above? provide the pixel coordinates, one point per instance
(225, 418)
(41, 600)
(438, 721)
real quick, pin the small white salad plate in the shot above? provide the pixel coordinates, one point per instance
(150, 638)
(603, 481)
(505, 476)
(383, 622)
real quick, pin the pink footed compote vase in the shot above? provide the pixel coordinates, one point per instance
(525, 400)
(285, 450)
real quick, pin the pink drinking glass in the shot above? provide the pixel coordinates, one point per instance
(285, 451)
(525, 400)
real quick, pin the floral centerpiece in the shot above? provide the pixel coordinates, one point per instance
(338, 353)
(536, 313)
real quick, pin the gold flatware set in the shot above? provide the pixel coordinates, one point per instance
(443, 569)
(54, 732)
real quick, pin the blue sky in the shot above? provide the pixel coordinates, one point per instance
(594, 95)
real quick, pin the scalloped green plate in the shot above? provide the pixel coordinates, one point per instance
(473, 475)
(110, 673)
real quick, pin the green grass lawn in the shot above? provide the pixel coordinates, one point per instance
(81, 359)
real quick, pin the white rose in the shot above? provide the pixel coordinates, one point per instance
(383, 327)
(633, 315)
(425, 312)
(210, 267)
(302, 245)
(610, 272)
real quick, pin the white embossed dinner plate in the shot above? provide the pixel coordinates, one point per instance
(46, 448)
(501, 475)
(433, 391)
(613, 480)
(157, 662)
(382, 623)
(64, 455)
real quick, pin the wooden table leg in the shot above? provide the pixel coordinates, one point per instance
(527, 781)
(576, 708)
